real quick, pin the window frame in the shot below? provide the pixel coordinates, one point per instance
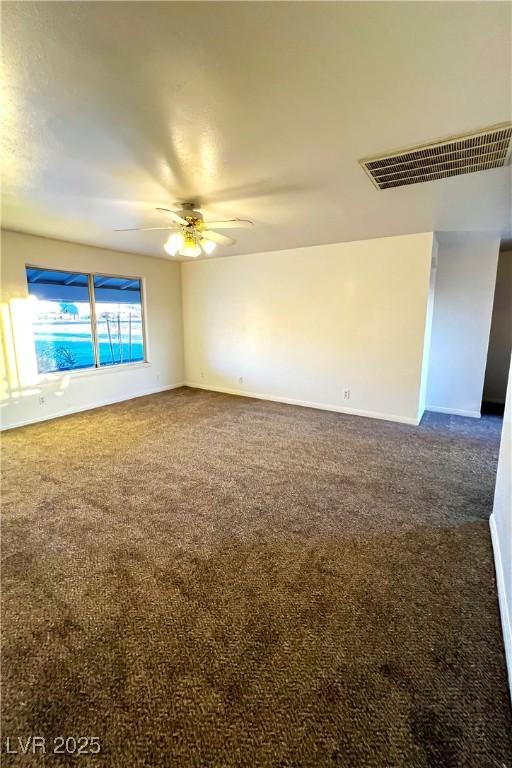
(94, 369)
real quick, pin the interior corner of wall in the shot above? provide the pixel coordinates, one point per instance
(435, 251)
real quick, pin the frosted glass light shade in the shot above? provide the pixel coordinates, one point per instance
(174, 243)
(208, 246)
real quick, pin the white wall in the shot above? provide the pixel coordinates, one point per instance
(21, 387)
(464, 294)
(501, 527)
(303, 325)
(500, 340)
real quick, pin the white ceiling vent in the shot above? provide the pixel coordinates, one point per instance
(467, 153)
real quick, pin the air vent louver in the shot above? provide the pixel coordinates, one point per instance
(479, 151)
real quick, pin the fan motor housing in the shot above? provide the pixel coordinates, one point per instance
(190, 214)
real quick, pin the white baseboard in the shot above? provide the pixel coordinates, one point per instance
(502, 599)
(308, 404)
(89, 407)
(453, 411)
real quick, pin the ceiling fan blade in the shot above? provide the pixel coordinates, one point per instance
(217, 237)
(230, 224)
(144, 229)
(174, 216)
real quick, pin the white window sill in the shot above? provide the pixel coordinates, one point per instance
(84, 372)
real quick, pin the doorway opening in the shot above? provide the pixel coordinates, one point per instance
(500, 338)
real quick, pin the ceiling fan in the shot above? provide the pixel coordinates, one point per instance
(190, 234)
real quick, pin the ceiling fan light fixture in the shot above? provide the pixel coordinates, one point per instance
(191, 234)
(208, 246)
(190, 247)
(174, 243)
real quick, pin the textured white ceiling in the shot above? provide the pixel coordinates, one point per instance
(256, 110)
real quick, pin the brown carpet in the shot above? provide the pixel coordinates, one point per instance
(205, 580)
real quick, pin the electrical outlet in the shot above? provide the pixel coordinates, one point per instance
(346, 394)
(241, 380)
(42, 400)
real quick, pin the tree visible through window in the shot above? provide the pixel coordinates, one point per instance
(64, 307)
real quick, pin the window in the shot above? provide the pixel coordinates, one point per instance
(85, 321)
(119, 320)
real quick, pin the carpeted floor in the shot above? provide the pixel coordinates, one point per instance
(205, 580)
